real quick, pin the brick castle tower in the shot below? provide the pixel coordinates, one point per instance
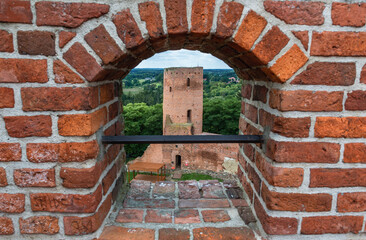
(183, 101)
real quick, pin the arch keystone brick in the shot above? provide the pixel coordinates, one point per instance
(228, 19)
(249, 31)
(104, 45)
(84, 63)
(287, 65)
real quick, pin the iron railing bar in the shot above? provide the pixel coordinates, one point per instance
(167, 139)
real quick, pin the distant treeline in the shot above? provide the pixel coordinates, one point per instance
(147, 85)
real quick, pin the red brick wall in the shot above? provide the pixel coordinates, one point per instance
(303, 66)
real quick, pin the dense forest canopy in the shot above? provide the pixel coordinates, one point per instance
(143, 98)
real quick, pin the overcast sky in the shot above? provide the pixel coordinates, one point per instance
(183, 58)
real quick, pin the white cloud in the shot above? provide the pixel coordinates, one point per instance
(183, 58)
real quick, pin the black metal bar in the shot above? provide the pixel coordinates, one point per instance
(166, 139)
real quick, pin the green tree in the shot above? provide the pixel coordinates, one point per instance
(221, 115)
(141, 119)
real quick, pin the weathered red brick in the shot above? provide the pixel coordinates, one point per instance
(215, 216)
(346, 14)
(6, 226)
(113, 110)
(289, 127)
(176, 15)
(253, 177)
(228, 19)
(246, 91)
(12, 203)
(249, 31)
(173, 233)
(23, 70)
(331, 224)
(106, 93)
(128, 29)
(251, 112)
(84, 63)
(295, 12)
(39, 225)
(104, 45)
(85, 225)
(239, 233)
(59, 99)
(279, 176)
(246, 185)
(63, 74)
(27, 177)
(202, 17)
(122, 233)
(303, 36)
(363, 74)
(109, 179)
(82, 124)
(36, 43)
(130, 215)
(150, 14)
(335, 177)
(29, 126)
(7, 97)
(186, 216)
(338, 127)
(68, 14)
(275, 225)
(72, 203)
(296, 202)
(306, 101)
(65, 37)
(356, 101)
(271, 44)
(81, 177)
(309, 152)
(62, 152)
(17, 11)
(247, 128)
(10, 152)
(203, 203)
(351, 202)
(158, 216)
(287, 65)
(3, 180)
(6, 41)
(260, 93)
(327, 73)
(354, 153)
(338, 44)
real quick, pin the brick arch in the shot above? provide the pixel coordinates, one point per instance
(63, 83)
(234, 41)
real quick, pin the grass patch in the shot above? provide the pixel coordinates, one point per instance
(144, 173)
(197, 176)
(134, 90)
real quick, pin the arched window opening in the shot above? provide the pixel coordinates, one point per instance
(189, 112)
(188, 82)
(170, 89)
(178, 162)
